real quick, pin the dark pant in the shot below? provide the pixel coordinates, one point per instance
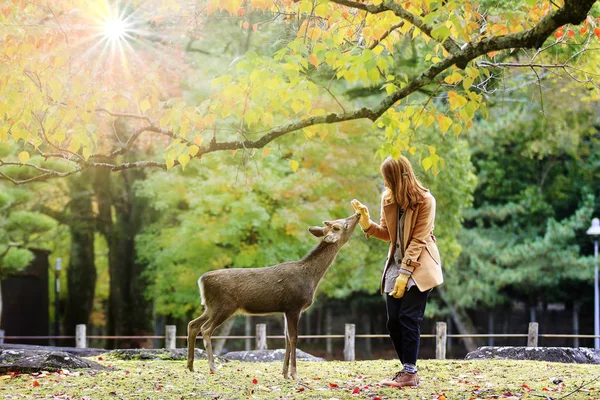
(404, 323)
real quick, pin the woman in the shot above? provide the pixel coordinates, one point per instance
(413, 265)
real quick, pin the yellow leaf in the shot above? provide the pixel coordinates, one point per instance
(144, 105)
(170, 162)
(59, 61)
(198, 140)
(456, 129)
(453, 79)
(294, 165)
(456, 100)
(266, 151)
(297, 106)
(233, 153)
(427, 163)
(193, 150)
(183, 159)
(23, 157)
(313, 60)
(444, 123)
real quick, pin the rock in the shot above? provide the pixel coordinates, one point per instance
(71, 350)
(154, 354)
(28, 361)
(267, 355)
(552, 354)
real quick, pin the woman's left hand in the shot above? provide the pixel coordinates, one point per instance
(400, 286)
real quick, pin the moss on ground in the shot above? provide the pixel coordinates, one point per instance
(453, 379)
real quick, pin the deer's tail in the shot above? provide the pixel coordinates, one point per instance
(201, 287)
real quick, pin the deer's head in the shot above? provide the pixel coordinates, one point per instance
(338, 231)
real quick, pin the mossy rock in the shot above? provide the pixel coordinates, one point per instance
(28, 361)
(154, 354)
(551, 354)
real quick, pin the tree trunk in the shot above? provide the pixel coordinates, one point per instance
(463, 323)
(120, 219)
(81, 271)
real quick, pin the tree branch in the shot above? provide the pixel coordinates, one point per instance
(449, 44)
(573, 12)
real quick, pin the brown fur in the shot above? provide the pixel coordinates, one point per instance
(287, 288)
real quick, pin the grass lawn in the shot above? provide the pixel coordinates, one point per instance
(453, 379)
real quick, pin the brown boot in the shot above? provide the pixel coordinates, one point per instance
(405, 379)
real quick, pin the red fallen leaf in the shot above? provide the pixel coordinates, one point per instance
(300, 389)
(36, 383)
(366, 387)
(333, 385)
(212, 372)
(255, 381)
(508, 394)
(476, 372)
(113, 393)
(526, 387)
(545, 389)
(360, 377)
(356, 391)
(316, 378)
(441, 397)
(158, 389)
(127, 372)
(377, 398)
(100, 358)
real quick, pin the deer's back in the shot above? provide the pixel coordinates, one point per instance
(275, 289)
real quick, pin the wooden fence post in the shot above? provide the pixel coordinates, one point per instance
(440, 340)
(170, 336)
(80, 336)
(261, 336)
(532, 336)
(349, 340)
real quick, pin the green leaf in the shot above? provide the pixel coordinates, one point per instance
(440, 33)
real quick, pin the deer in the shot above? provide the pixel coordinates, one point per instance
(287, 288)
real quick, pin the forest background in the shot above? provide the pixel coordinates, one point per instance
(509, 144)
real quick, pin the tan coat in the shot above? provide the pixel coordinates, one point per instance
(421, 255)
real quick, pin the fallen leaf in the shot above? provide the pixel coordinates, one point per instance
(356, 391)
(36, 383)
(255, 381)
(333, 385)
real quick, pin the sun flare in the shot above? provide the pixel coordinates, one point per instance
(115, 29)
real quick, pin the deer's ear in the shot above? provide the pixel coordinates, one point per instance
(317, 231)
(327, 223)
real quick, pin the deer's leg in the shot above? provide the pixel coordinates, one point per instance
(292, 318)
(286, 359)
(207, 330)
(193, 330)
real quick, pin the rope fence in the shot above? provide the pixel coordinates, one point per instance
(441, 337)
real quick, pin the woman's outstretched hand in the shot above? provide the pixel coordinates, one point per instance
(365, 219)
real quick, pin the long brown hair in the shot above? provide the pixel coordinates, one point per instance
(401, 183)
